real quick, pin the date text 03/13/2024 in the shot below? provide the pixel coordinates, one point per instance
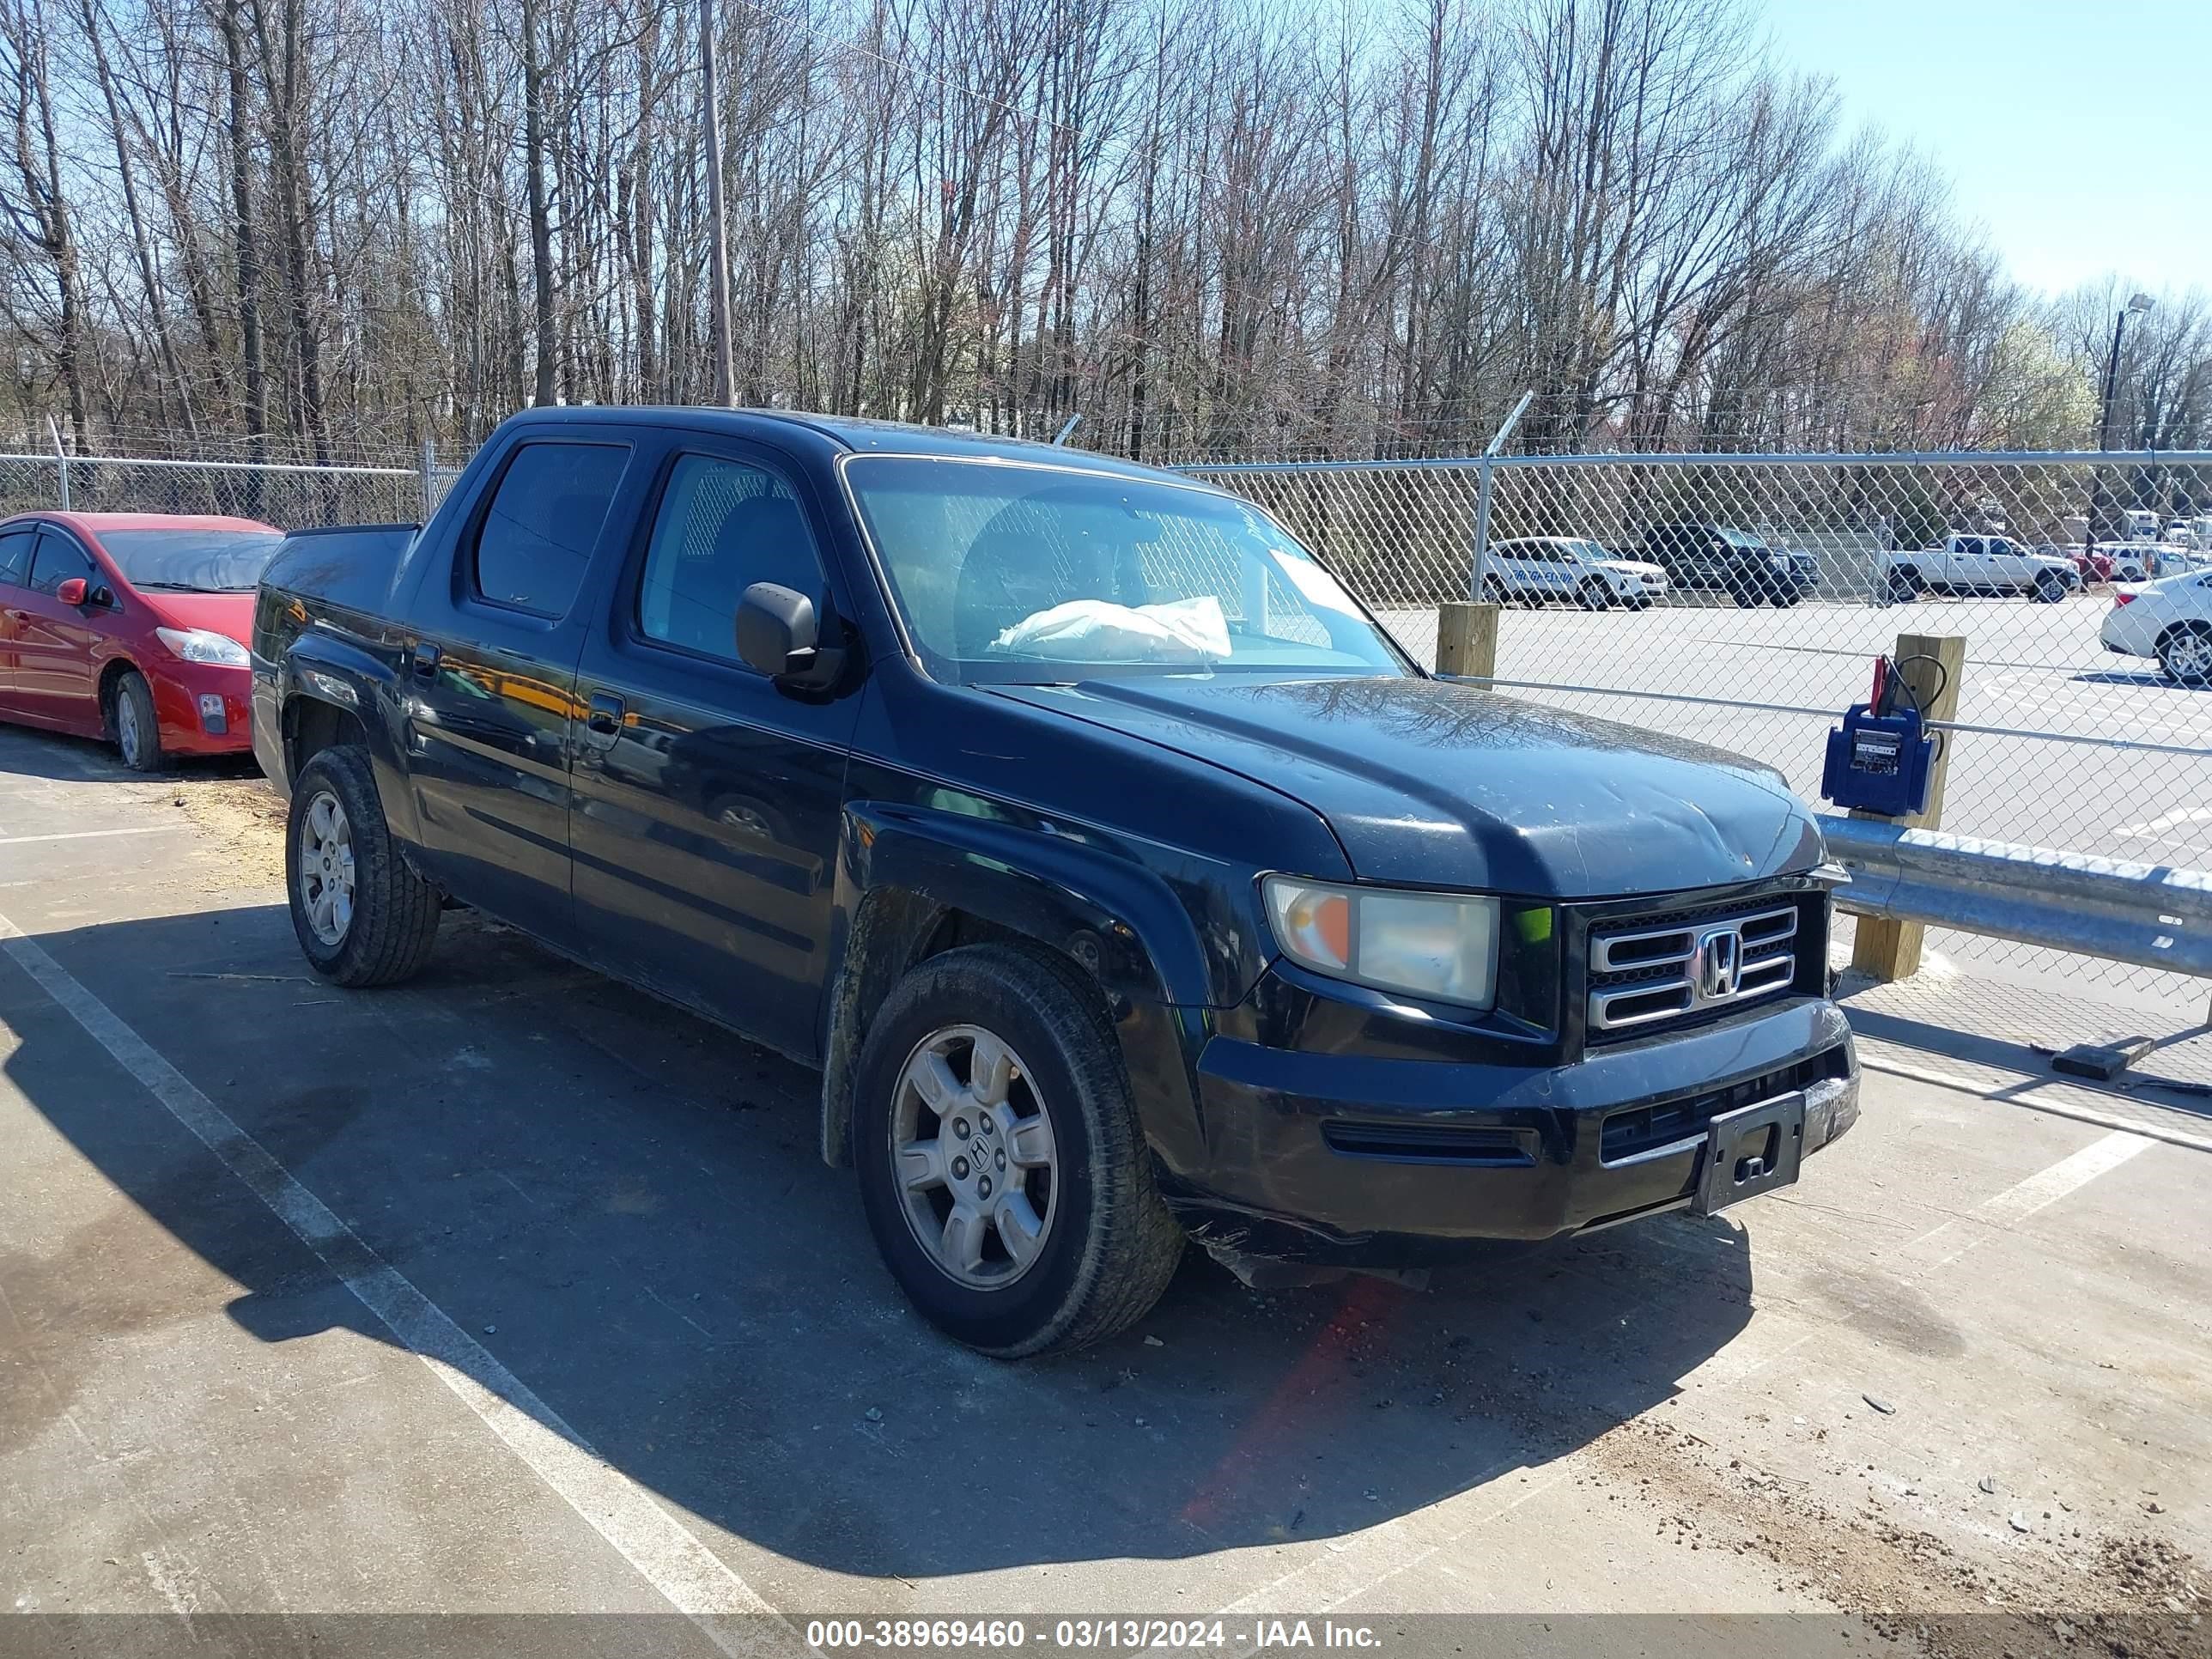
(1112, 1635)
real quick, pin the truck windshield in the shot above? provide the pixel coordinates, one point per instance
(192, 561)
(1024, 574)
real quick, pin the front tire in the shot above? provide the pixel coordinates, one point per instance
(1000, 1165)
(1595, 596)
(2049, 589)
(131, 717)
(2185, 654)
(362, 915)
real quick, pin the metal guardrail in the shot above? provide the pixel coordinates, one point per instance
(2152, 915)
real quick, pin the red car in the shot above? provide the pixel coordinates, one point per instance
(131, 626)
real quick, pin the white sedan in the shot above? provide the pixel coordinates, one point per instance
(2171, 620)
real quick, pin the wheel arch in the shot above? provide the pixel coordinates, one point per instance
(111, 676)
(912, 886)
(326, 691)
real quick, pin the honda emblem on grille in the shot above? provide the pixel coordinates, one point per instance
(1718, 970)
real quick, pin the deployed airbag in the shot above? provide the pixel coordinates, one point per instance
(1099, 630)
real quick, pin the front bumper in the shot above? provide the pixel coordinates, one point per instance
(203, 708)
(1351, 1160)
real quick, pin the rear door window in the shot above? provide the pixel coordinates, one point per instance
(536, 538)
(15, 557)
(59, 558)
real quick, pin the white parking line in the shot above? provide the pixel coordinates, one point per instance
(2168, 821)
(667, 1555)
(89, 835)
(2046, 1187)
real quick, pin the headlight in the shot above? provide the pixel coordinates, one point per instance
(199, 645)
(1442, 945)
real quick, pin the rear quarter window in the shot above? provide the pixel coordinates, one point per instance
(544, 519)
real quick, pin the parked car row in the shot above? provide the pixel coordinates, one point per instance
(1537, 570)
(1702, 555)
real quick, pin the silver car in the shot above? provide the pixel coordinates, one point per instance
(2171, 620)
(1570, 570)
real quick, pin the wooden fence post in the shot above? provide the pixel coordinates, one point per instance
(1886, 949)
(1466, 639)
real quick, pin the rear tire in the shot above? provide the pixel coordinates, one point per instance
(1493, 592)
(362, 915)
(950, 1216)
(130, 717)
(2184, 652)
(1595, 596)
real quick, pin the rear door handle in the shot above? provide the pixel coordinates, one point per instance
(602, 722)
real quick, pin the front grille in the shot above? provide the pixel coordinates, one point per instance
(1625, 1135)
(1648, 971)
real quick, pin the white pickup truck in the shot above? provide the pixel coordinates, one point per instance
(1981, 564)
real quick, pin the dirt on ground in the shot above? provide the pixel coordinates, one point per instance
(2066, 1589)
(242, 816)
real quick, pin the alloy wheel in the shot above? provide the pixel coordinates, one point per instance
(973, 1157)
(327, 868)
(2189, 657)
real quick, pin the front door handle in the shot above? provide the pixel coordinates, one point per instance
(427, 656)
(602, 720)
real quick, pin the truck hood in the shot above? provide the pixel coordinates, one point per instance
(1433, 783)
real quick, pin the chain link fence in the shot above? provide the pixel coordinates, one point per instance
(1740, 600)
(290, 497)
(1735, 599)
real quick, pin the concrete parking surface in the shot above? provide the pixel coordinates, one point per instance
(515, 1291)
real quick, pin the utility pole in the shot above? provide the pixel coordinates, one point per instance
(2101, 507)
(725, 369)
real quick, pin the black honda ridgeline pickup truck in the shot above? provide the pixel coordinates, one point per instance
(1124, 879)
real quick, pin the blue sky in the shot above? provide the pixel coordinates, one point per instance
(2079, 132)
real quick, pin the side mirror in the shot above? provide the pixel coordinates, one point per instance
(71, 591)
(779, 635)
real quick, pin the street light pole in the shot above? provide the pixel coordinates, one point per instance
(710, 117)
(2135, 306)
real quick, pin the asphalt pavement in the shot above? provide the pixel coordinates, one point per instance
(327, 1317)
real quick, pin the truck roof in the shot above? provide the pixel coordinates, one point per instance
(850, 433)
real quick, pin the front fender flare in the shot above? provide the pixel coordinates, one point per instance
(327, 668)
(900, 870)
